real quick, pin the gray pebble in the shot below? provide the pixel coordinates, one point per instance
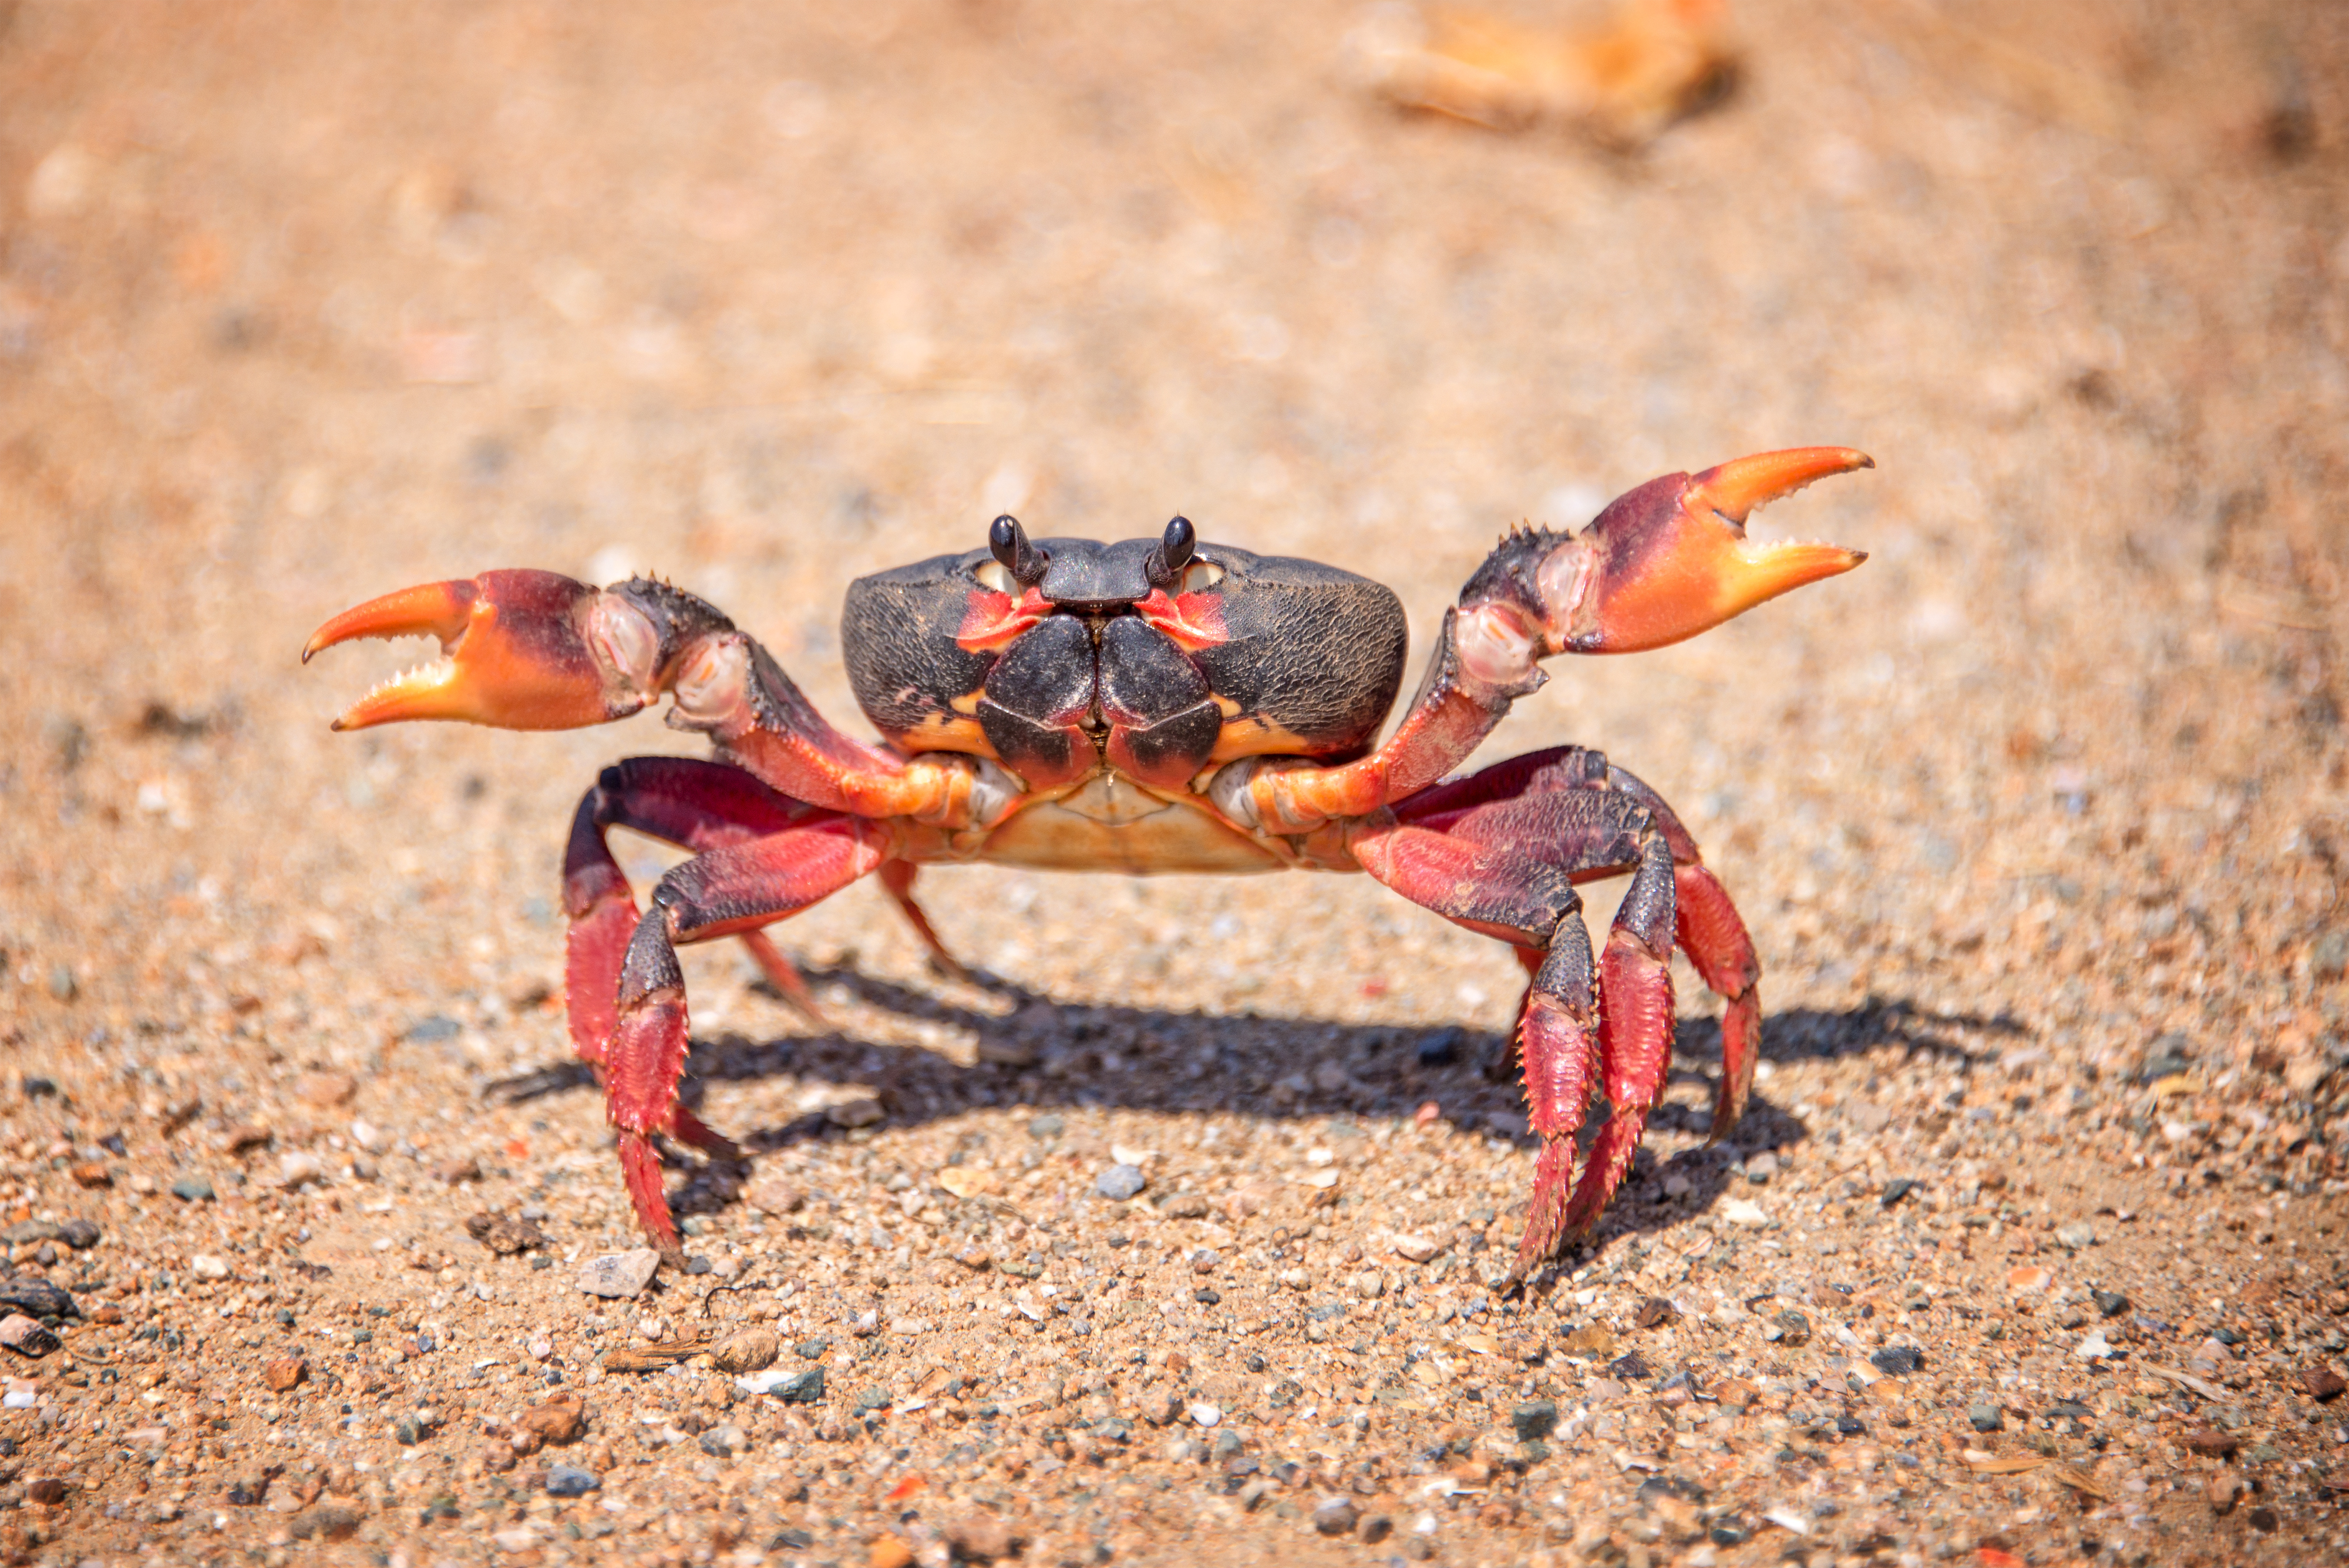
(1120, 1182)
(1535, 1419)
(2112, 1303)
(1046, 1127)
(569, 1480)
(1336, 1516)
(620, 1276)
(2079, 1233)
(193, 1189)
(801, 1388)
(1985, 1417)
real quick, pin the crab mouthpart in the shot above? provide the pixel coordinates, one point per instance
(1671, 558)
(513, 654)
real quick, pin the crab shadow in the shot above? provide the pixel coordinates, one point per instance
(1043, 1054)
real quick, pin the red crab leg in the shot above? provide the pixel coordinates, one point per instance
(1662, 563)
(725, 891)
(1707, 928)
(1506, 868)
(694, 805)
(897, 876)
(535, 651)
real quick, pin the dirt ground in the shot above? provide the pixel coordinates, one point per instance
(2039, 818)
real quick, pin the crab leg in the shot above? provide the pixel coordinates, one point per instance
(1708, 927)
(725, 891)
(1662, 563)
(694, 805)
(1506, 867)
(535, 651)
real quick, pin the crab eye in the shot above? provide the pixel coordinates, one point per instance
(1008, 543)
(1004, 537)
(993, 574)
(1201, 574)
(1181, 539)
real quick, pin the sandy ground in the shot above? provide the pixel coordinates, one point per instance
(2039, 818)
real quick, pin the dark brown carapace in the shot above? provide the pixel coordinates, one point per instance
(1152, 705)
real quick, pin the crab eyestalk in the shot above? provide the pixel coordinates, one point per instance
(1662, 563)
(520, 651)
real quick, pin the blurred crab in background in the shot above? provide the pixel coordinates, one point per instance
(1153, 705)
(1622, 83)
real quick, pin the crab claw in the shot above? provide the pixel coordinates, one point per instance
(1667, 560)
(521, 649)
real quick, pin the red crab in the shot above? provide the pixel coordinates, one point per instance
(1150, 705)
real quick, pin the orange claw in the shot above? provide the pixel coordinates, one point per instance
(1671, 558)
(521, 649)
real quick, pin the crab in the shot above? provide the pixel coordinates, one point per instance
(1150, 705)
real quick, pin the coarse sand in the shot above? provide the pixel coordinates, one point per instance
(1181, 1236)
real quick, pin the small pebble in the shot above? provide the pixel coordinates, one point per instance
(2216, 1442)
(1762, 1168)
(1897, 1360)
(2321, 1382)
(1535, 1419)
(1336, 1516)
(1417, 1249)
(1046, 1127)
(2112, 1303)
(285, 1373)
(2076, 1235)
(1897, 1189)
(620, 1276)
(1120, 1182)
(208, 1266)
(1206, 1414)
(1984, 1417)
(25, 1336)
(35, 1297)
(747, 1350)
(193, 1189)
(561, 1420)
(803, 1388)
(569, 1480)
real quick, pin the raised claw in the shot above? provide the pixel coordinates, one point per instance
(1662, 563)
(521, 649)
